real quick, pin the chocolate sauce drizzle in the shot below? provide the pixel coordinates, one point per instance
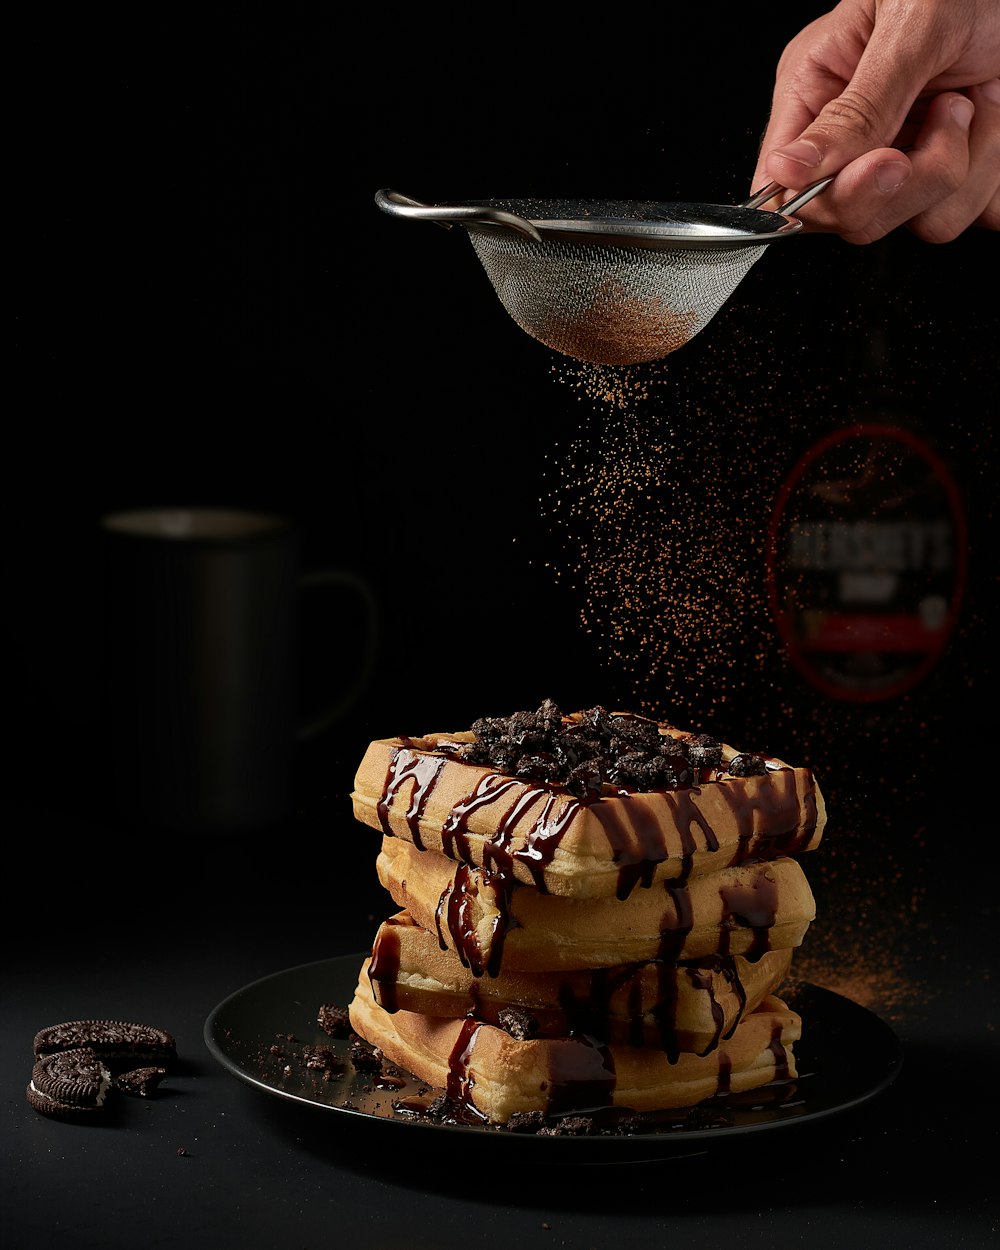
(425, 770)
(591, 1013)
(455, 911)
(635, 834)
(461, 1083)
(383, 970)
(588, 1009)
(782, 1070)
(582, 1075)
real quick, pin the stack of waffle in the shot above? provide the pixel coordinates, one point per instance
(596, 910)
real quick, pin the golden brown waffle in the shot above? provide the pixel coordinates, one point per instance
(606, 845)
(674, 1006)
(744, 910)
(482, 1066)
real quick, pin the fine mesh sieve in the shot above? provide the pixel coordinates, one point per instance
(613, 282)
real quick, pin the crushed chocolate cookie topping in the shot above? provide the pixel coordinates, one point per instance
(444, 1108)
(569, 1126)
(747, 764)
(518, 1023)
(366, 1058)
(140, 1082)
(321, 1058)
(588, 750)
(704, 751)
(526, 1122)
(334, 1020)
(632, 1123)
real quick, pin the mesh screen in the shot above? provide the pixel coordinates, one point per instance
(610, 305)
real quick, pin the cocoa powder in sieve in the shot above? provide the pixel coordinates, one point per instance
(619, 328)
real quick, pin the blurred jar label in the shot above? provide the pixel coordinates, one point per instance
(866, 561)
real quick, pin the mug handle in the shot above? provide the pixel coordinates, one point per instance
(344, 577)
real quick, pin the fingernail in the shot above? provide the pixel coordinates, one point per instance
(804, 151)
(890, 175)
(962, 109)
(991, 90)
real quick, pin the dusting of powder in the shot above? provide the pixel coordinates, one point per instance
(659, 507)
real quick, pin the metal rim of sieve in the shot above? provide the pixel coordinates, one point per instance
(619, 223)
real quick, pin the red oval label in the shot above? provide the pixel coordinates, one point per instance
(866, 561)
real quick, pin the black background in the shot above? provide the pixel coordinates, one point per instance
(210, 309)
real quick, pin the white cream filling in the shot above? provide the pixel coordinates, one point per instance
(102, 1090)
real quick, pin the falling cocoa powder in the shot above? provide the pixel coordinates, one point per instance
(617, 387)
(858, 963)
(657, 545)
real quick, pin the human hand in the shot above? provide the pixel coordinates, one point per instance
(901, 101)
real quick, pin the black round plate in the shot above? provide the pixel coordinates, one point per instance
(260, 1034)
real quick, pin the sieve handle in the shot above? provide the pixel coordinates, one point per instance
(398, 205)
(790, 206)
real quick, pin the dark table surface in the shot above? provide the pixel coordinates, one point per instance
(162, 931)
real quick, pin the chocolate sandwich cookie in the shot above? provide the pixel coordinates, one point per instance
(140, 1082)
(69, 1084)
(117, 1042)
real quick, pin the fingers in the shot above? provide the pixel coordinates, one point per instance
(939, 187)
(842, 133)
(878, 96)
(976, 199)
(861, 203)
(847, 98)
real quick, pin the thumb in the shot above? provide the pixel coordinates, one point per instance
(840, 134)
(868, 114)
